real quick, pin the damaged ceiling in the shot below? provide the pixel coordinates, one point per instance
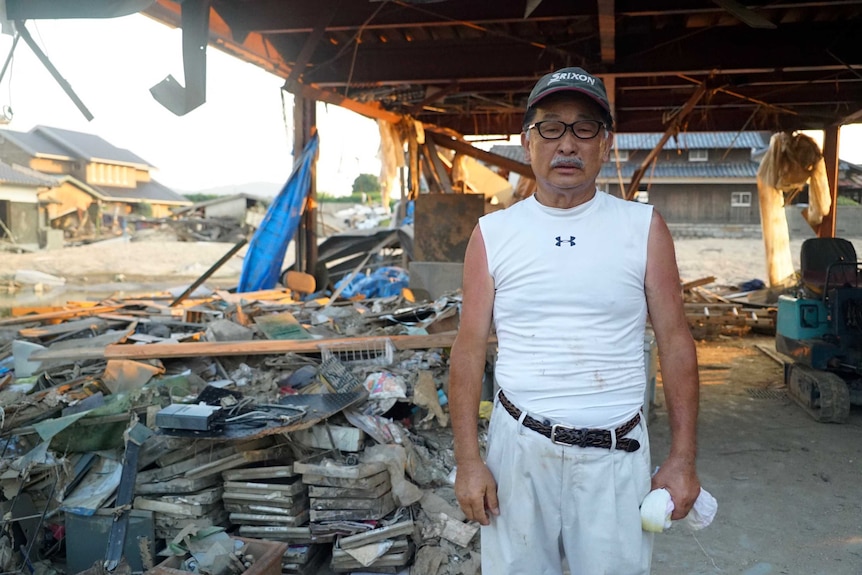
(469, 65)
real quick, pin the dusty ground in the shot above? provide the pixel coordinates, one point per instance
(790, 500)
(788, 487)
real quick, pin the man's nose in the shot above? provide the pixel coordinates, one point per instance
(568, 141)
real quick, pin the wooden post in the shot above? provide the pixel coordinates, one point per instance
(304, 124)
(830, 157)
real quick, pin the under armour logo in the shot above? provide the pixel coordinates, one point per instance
(560, 241)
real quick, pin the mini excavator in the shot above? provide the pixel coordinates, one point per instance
(821, 330)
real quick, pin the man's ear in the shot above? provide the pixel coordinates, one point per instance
(525, 143)
(607, 144)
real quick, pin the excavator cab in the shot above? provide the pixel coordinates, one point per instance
(820, 329)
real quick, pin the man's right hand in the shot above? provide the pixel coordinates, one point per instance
(476, 491)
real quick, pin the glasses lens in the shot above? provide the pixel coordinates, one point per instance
(551, 129)
(586, 129)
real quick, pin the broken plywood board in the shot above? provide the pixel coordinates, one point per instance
(457, 532)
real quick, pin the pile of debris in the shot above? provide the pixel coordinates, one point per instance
(231, 433)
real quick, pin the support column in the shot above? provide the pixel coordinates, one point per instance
(830, 157)
(304, 125)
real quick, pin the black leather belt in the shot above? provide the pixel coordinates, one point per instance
(564, 435)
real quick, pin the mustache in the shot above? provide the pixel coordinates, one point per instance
(567, 162)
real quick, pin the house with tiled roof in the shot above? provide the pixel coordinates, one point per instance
(701, 178)
(698, 177)
(22, 220)
(94, 177)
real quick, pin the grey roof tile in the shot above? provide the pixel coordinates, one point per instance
(11, 175)
(48, 141)
(151, 191)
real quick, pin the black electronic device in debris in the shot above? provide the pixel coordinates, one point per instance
(189, 417)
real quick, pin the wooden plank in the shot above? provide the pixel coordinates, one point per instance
(94, 324)
(255, 347)
(65, 314)
(698, 282)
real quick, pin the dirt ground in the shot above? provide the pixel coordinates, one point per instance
(788, 488)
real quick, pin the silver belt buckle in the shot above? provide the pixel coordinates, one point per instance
(554, 434)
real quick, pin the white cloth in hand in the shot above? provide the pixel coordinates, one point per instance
(657, 508)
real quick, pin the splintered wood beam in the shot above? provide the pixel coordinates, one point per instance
(472, 151)
(826, 229)
(607, 31)
(671, 130)
(374, 111)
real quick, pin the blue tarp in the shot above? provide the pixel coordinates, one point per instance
(384, 282)
(261, 266)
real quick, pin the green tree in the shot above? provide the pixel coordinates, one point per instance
(366, 183)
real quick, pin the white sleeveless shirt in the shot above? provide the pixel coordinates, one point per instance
(570, 308)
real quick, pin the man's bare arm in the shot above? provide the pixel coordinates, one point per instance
(678, 368)
(474, 486)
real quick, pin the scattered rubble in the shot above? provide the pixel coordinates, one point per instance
(231, 433)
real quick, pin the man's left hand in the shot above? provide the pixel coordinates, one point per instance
(679, 477)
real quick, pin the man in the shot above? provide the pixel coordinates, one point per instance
(569, 276)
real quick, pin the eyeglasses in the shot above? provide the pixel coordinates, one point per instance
(554, 129)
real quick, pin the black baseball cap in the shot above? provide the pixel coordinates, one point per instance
(572, 80)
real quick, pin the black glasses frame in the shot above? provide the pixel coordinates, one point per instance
(597, 123)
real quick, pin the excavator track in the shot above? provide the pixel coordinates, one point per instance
(824, 395)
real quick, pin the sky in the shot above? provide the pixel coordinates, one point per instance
(238, 135)
(241, 134)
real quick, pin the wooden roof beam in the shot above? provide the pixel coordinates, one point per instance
(474, 152)
(607, 31)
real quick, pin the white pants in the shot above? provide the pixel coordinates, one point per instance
(559, 502)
